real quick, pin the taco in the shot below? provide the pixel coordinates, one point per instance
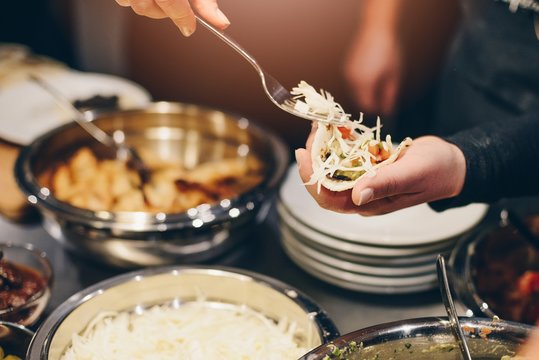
(341, 155)
(343, 150)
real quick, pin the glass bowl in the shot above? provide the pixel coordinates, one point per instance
(25, 280)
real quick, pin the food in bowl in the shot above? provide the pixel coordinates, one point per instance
(425, 339)
(209, 312)
(192, 330)
(25, 279)
(162, 133)
(503, 273)
(87, 182)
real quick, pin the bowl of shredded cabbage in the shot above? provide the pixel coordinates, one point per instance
(184, 313)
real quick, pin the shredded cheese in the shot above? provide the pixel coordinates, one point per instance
(191, 330)
(351, 150)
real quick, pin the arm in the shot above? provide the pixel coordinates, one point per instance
(491, 161)
(502, 160)
(180, 12)
(373, 66)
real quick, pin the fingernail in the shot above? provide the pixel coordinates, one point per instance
(222, 17)
(186, 31)
(365, 196)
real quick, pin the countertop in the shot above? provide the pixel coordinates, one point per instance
(262, 253)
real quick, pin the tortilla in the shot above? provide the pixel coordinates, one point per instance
(325, 143)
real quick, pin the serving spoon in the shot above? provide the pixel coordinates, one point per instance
(123, 152)
(450, 308)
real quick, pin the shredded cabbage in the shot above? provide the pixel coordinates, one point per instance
(352, 149)
(193, 330)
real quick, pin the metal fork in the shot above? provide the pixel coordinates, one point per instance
(276, 92)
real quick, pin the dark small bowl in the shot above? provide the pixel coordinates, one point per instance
(30, 258)
(14, 339)
(486, 268)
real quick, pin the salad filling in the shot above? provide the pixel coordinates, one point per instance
(344, 150)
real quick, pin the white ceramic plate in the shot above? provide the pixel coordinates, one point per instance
(291, 242)
(310, 235)
(27, 111)
(354, 285)
(413, 226)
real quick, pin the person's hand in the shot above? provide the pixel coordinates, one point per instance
(373, 69)
(180, 12)
(430, 169)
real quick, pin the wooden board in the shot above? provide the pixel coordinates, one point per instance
(13, 204)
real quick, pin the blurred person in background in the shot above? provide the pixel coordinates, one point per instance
(491, 71)
(488, 102)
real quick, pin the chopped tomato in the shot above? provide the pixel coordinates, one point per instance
(528, 283)
(345, 132)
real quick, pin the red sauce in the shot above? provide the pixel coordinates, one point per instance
(18, 284)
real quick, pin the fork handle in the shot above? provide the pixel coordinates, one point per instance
(232, 43)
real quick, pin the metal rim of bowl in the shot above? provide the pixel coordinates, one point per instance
(49, 277)
(425, 326)
(460, 273)
(39, 346)
(244, 202)
(20, 329)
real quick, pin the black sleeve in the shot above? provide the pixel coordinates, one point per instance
(502, 160)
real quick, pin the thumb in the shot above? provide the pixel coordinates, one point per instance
(387, 181)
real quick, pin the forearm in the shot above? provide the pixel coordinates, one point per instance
(502, 160)
(380, 15)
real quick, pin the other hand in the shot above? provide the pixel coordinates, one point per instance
(373, 68)
(430, 169)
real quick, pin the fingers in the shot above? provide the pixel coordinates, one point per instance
(210, 11)
(391, 180)
(147, 8)
(180, 12)
(388, 96)
(336, 201)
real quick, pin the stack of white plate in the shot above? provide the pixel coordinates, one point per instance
(393, 253)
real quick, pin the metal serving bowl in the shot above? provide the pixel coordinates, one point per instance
(14, 339)
(425, 338)
(184, 133)
(144, 288)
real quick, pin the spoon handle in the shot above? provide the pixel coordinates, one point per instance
(450, 308)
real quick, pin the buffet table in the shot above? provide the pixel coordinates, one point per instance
(348, 309)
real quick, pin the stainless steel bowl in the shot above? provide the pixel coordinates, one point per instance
(426, 338)
(148, 287)
(14, 339)
(186, 133)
